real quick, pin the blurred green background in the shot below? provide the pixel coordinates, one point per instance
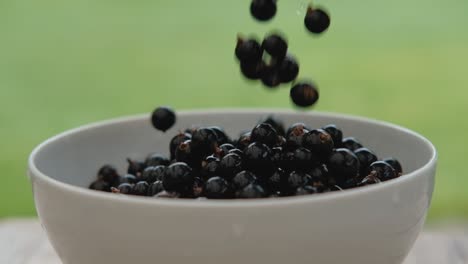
(68, 63)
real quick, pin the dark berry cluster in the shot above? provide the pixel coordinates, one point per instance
(270, 61)
(267, 161)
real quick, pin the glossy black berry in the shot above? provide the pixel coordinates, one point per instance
(304, 94)
(253, 70)
(178, 178)
(176, 141)
(335, 133)
(204, 141)
(221, 135)
(366, 158)
(275, 123)
(248, 50)
(263, 10)
(153, 173)
(382, 170)
(244, 141)
(210, 167)
(100, 185)
(216, 188)
(271, 77)
(264, 133)
(125, 188)
(243, 179)
(295, 138)
(351, 143)
(163, 118)
(275, 45)
(258, 159)
(156, 159)
(140, 188)
(225, 148)
(288, 69)
(343, 164)
(155, 188)
(251, 191)
(319, 142)
(316, 20)
(230, 165)
(307, 189)
(297, 179)
(108, 173)
(395, 164)
(135, 167)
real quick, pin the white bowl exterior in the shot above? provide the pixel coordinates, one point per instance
(376, 224)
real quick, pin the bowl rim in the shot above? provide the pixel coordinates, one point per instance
(35, 174)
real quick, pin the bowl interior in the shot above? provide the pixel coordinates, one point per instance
(75, 156)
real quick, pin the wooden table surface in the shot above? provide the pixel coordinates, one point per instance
(24, 242)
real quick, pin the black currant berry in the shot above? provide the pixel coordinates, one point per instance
(140, 188)
(248, 50)
(304, 94)
(264, 133)
(178, 178)
(135, 167)
(319, 142)
(395, 164)
(276, 46)
(163, 118)
(316, 20)
(216, 188)
(243, 179)
(335, 133)
(366, 158)
(382, 170)
(343, 165)
(258, 159)
(204, 141)
(153, 173)
(263, 10)
(230, 165)
(108, 173)
(210, 167)
(288, 69)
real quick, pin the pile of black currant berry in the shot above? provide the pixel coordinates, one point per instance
(267, 161)
(270, 61)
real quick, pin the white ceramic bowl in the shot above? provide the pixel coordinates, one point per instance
(374, 224)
